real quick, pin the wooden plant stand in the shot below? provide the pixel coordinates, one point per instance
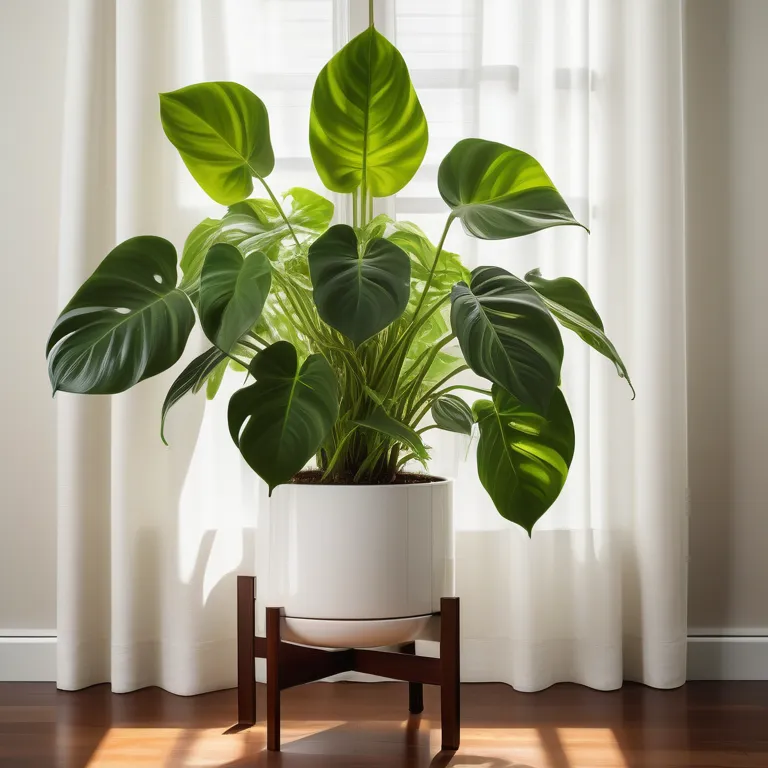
(289, 665)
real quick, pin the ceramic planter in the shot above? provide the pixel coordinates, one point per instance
(358, 566)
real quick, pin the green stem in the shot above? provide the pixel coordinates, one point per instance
(370, 13)
(426, 429)
(248, 344)
(279, 208)
(259, 339)
(430, 393)
(431, 274)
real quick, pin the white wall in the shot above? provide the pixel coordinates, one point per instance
(32, 48)
(727, 230)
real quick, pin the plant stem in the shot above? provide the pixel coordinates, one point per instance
(426, 429)
(413, 408)
(249, 345)
(370, 13)
(279, 208)
(431, 274)
(256, 337)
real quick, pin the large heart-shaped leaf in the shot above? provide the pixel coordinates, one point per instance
(569, 302)
(232, 293)
(507, 335)
(358, 291)
(499, 192)
(380, 421)
(127, 322)
(222, 133)
(367, 128)
(190, 380)
(453, 414)
(280, 421)
(522, 456)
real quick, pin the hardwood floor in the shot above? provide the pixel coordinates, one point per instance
(702, 725)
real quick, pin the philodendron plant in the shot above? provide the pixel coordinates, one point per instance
(348, 333)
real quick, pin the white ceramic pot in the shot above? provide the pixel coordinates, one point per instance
(359, 565)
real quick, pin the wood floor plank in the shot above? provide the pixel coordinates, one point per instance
(346, 725)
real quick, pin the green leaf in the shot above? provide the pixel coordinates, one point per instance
(522, 456)
(380, 421)
(417, 245)
(232, 293)
(569, 302)
(127, 322)
(279, 422)
(190, 380)
(499, 192)
(309, 210)
(213, 382)
(453, 414)
(366, 126)
(222, 133)
(507, 335)
(255, 225)
(357, 291)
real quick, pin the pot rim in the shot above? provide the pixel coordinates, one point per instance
(366, 487)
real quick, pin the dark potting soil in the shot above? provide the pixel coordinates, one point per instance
(312, 477)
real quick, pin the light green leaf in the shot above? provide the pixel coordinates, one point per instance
(522, 456)
(308, 210)
(213, 382)
(366, 127)
(280, 421)
(499, 192)
(190, 380)
(569, 302)
(417, 245)
(380, 421)
(453, 414)
(507, 335)
(127, 322)
(358, 291)
(255, 225)
(222, 133)
(232, 293)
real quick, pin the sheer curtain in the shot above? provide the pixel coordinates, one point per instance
(150, 538)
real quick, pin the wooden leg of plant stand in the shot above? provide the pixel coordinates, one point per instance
(273, 679)
(246, 661)
(415, 690)
(449, 670)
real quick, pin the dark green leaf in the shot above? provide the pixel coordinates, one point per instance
(190, 380)
(522, 456)
(358, 292)
(380, 421)
(127, 322)
(499, 192)
(507, 334)
(222, 133)
(280, 421)
(366, 124)
(232, 293)
(569, 302)
(453, 414)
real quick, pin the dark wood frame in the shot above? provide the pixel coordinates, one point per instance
(289, 665)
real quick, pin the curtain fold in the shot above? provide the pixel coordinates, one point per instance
(151, 538)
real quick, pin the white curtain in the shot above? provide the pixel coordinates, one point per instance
(150, 538)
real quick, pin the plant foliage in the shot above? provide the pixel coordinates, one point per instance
(353, 333)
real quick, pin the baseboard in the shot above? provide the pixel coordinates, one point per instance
(28, 659)
(33, 658)
(727, 658)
